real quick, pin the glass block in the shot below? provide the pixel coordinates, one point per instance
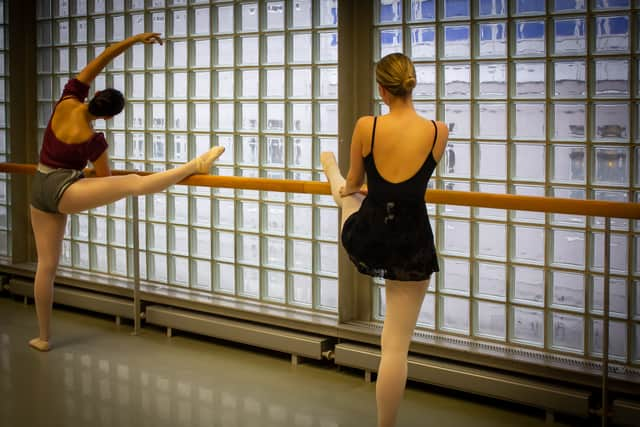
(250, 83)
(567, 290)
(569, 36)
(617, 339)
(225, 49)
(301, 14)
(528, 216)
(426, 82)
(249, 249)
(490, 280)
(528, 162)
(201, 274)
(491, 160)
(179, 240)
(530, 80)
(490, 8)
(457, 9)
(491, 241)
(201, 56)
(568, 164)
(157, 265)
(492, 120)
(249, 17)
(328, 258)
(158, 22)
(328, 289)
(301, 289)
(617, 296)
(492, 40)
(224, 19)
(426, 317)
(301, 255)
(612, 196)
(300, 221)
(569, 193)
(274, 49)
(248, 219)
(454, 314)
(157, 237)
(62, 60)
(225, 84)
(274, 154)
(530, 7)
(528, 244)
(567, 332)
(492, 78)
(274, 83)
(225, 278)
(455, 237)
(179, 84)
(490, 320)
(328, 118)
(201, 211)
(301, 48)
(422, 10)
(80, 255)
(224, 213)
(457, 43)
(457, 81)
(250, 50)
(274, 251)
(619, 253)
(530, 38)
(99, 259)
(568, 248)
(390, 41)
(611, 166)
(527, 326)
(327, 46)
(456, 276)
(327, 223)
(275, 285)
(569, 5)
(423, 43)
(178, 22)
(300, 83)
(328, 82)
(390, 11)
(275, 15)
(249, 281)
(612, 78)
(457, 117)
(569, 121)
(612, 34)
(529, 121)
(118, 261)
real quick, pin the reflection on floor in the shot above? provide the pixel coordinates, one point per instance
(98, 374)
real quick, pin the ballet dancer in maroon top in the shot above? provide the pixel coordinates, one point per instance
(60, 187)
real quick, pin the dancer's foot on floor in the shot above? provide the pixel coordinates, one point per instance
(331, 170)
(40, 345)
(204, 161)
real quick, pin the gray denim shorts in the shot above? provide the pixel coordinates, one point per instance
(49, 185)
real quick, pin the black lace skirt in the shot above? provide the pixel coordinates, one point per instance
(391, 240)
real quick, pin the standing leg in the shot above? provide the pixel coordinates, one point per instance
(48, 230)
(403, 302)
(349, 204)
(90, 193)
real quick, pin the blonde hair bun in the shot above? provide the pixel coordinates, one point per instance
(396, 73)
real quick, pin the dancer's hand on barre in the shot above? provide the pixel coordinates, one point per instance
(344, 192)
(148, 38)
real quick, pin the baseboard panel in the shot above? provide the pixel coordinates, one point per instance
(295, 343)
(72, 297)
(626, 413)
(552, 398)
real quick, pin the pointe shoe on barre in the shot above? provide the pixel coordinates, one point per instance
(327, 158)
(203, 162)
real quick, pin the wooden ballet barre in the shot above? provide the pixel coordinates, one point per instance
(628, 210)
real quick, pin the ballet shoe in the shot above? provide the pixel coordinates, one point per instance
(40, 345)
(204, 161)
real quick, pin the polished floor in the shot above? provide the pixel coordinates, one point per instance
(98, 374)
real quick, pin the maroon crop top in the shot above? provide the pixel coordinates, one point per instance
(59, 154)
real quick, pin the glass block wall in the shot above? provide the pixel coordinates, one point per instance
(258, 77)
(5, 183)
(541, 98)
